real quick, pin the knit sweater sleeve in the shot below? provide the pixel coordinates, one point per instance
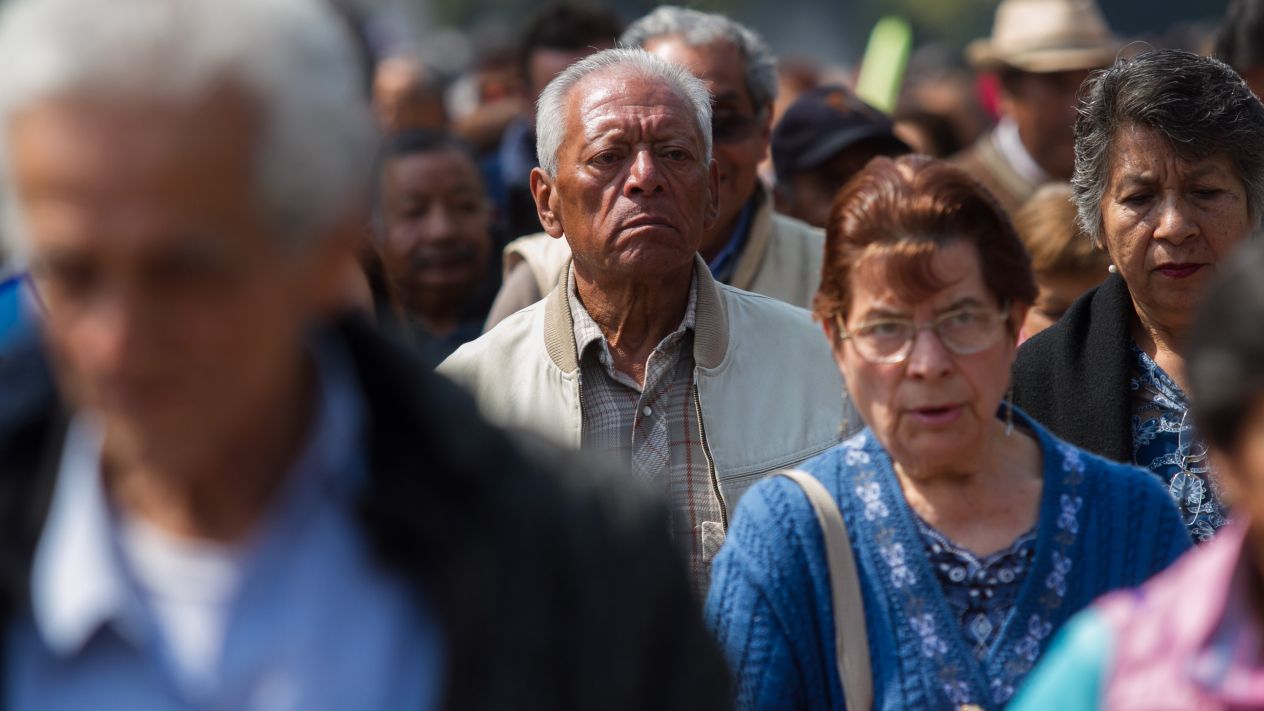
(765, 604)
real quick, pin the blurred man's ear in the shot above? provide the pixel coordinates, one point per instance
(546, 202)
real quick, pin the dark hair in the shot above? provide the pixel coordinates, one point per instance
(413, 141)
(1200, 107)
(1225, 352)
(1240, 42)
(907, 209)
(569, 27)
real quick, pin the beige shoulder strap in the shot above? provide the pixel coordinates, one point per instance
(851, 640)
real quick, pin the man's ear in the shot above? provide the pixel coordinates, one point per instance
(546, 202)
(713, 196)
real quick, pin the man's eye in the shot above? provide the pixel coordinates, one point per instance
(606, 158)
(677, 154)
(1136, 199)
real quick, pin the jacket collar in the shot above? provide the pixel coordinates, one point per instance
(711, 328)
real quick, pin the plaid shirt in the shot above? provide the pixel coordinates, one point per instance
(653, 427)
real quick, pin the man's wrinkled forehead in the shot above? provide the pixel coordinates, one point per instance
(601, 100)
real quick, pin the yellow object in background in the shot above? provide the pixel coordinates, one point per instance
(886, 56)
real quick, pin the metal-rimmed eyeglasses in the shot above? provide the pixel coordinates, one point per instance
(963, 331)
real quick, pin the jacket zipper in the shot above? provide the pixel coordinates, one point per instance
(706, 451)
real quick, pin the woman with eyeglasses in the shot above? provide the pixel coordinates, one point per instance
(975, 533)
(1169, 178)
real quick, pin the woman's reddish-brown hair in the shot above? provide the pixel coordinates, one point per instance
(905, 210)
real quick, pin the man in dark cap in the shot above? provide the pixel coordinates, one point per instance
(825, 136)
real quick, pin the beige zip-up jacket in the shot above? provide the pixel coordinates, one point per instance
(781, 259)
(767, 388)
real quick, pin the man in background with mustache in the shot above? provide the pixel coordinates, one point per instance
(639, 352)
(435, 232)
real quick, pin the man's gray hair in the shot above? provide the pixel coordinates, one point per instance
(1199, 106)
(292, 58)
(551, 110)
(698, 28)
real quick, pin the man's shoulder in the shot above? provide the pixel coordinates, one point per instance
(785, 227)
(500, 346)
(762, 311)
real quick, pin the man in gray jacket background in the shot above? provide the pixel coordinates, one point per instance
(638, 350)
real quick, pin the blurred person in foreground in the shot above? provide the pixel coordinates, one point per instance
(207, 499)
(638, 352)
(1065, 261)
(749, 246)
(1041, 51)
(1240, 42)
(1169, 177)
(825, 137)
(1191, 637)
(435, 224)
(975, 532)
(557, 34)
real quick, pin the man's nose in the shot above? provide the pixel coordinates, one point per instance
(644, 176)
(440, 224)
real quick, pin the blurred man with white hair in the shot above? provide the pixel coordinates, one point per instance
(749, 246)
(207, 499)
(638, 351)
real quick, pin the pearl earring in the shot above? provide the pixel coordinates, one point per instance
(1113, 269)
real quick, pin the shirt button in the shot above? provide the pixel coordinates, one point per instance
(647, 411)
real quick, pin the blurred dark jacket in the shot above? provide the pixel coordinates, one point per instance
(1073, 376)
(557, 588)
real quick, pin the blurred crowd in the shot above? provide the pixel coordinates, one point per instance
(633, 368)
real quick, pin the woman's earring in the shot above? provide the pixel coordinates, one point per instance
(1009, 412)
(1113, 269)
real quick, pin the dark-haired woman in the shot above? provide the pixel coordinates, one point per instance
(1169, 177)
(975, 532)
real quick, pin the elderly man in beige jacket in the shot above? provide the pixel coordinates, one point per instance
(749, 246)
(638, 352)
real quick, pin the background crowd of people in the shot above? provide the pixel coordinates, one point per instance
(632, 368)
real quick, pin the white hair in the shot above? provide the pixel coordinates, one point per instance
(293, 59)
(698, 28)
(551, 110)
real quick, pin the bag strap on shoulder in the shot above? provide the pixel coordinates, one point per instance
(851, 640)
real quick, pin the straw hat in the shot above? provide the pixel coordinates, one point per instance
(1042, 36)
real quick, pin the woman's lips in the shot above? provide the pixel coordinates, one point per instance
(1178, 271)
(936, 416)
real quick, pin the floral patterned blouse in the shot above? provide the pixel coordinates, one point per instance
(1165, 442)
(980, 591)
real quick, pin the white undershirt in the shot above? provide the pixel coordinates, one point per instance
(189, 586)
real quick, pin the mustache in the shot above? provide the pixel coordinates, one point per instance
(442, 256)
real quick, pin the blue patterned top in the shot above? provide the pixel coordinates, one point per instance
(1165, 442)
(980, 591)
(1101, 526)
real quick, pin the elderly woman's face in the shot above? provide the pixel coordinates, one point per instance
(1167, 222)
(933, 410)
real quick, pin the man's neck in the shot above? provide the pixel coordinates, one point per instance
(635, 315)
(216, 491)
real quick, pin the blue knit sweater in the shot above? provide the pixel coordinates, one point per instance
(1102, 526)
